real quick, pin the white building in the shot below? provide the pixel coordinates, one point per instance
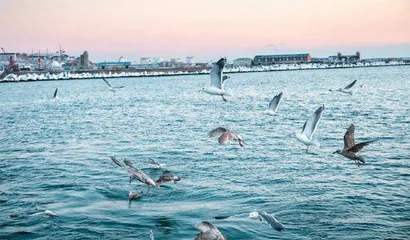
(190, 60)
(242, 62)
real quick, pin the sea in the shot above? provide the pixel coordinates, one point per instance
(55, 156)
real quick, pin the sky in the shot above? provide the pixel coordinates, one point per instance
(109, 29)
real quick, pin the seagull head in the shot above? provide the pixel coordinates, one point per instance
(221, 63)
(337, 151)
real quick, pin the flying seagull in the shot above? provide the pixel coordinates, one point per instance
(225, 135)
(167, 176)
(208, 232)
(268, 218)
(275, 102)
(132, 195)
(55, 93)
(309, 128)
(217, 80)
(156, 163)
(350, 149)
(347, 89)
(109, 85)
(135, 173)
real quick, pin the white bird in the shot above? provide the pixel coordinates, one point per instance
(109, 85)
(208, 232)
(268, 218)
(309, 128)
(225, 135)
(347, 89)
(46, 212)
(217, 80)
(151, 235)
(275, 102)
(156, 163)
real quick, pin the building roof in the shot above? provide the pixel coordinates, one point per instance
(243, 59)
(283, 55)
(114, 63)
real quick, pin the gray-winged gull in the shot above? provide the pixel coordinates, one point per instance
(208, 232)
(346, 89)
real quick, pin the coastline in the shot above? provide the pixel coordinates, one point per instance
(162, 72)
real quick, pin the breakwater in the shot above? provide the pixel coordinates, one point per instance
(121, 73)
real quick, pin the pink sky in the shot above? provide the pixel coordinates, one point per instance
(207, 29)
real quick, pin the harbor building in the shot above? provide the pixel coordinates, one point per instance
(346, 58)
(281, 58)
(5, 57)
(190, 60)
(84, 60)
(247, 62)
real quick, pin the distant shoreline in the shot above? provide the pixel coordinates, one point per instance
(137, 73)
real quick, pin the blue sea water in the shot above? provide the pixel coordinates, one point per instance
(54, 155)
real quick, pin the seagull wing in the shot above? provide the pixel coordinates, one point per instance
(226, 137)
(310, 125)
(116, 161)
(105, 80)
(216, 73)
(140, 175)
(349, 137)
(271, 220)
(356, 148)
(217, 132)
(55, 93)
(274, 103)
(154, 162)
(351, 84)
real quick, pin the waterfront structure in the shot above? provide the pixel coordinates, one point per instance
(247, 62)
(190, 60)
(84, 60)
(281, 58)
(114, 65)
(145, 60)
(5, 57)
(346, 58)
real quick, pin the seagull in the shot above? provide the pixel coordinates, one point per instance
(268, 218)
(309, 129)
(275, 102)
(217, 80)
(347, 89)
(46, 212)
(350, 149)
(156, 163)
(167, 176)
(109, 85)
(151, 235)
(225, 135)
(132, 195)
(55, 93)
(208, 232)
(135, 173)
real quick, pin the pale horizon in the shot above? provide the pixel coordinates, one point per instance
(134, 29)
